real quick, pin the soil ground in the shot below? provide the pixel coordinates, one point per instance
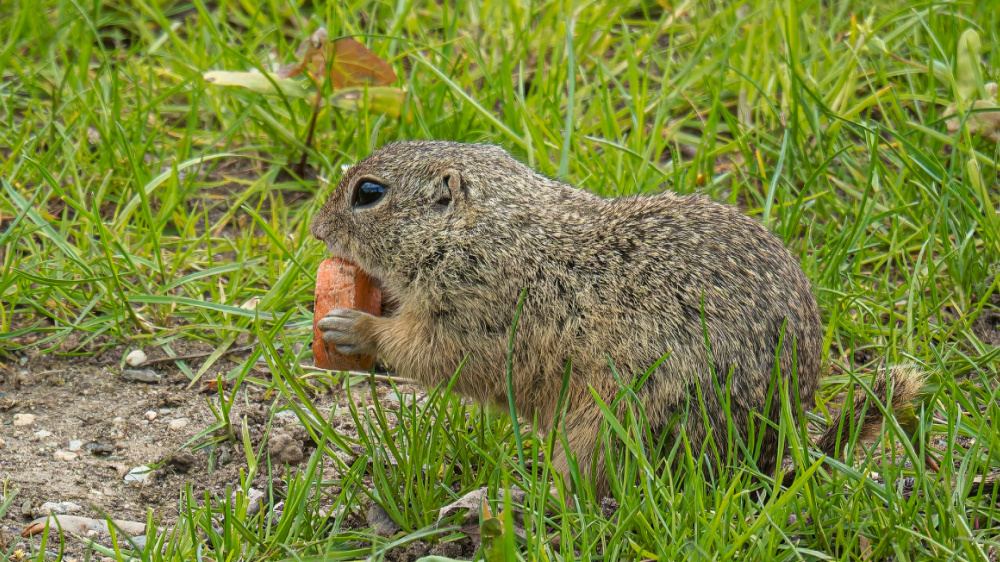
(86, 400)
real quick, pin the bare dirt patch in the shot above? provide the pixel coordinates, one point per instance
(86, 426)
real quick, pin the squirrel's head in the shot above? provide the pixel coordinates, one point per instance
(412, 205)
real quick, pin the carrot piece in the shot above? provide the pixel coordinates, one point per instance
(342, 284)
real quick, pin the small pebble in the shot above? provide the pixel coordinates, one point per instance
(150, 415)
(135, 358)
(139, 542)
(179, 423)
(24, 419)
(407, 399)
(43, 434)
(254, 499)
(2, 444)
(142, 375)
(64, 456)
(100, 449)
(381, 522)
(60, 508)
(138, 475)
(75, 445)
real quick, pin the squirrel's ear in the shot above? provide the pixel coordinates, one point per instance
(450, 191)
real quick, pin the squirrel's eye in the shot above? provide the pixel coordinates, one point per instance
(367, 193)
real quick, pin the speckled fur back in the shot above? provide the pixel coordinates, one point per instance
(464, 228)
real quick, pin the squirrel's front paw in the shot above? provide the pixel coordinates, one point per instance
(345, 329)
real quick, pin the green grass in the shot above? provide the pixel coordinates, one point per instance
(141, 204)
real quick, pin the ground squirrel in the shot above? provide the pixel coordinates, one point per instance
(454, 232)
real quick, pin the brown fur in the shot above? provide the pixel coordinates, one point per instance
(463, 228)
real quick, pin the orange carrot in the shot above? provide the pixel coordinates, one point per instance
(341, 284)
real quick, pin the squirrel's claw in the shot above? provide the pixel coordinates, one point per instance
(349, 350)
(341, 328)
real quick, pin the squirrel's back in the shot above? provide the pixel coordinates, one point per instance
(649, 275)
(463, 229)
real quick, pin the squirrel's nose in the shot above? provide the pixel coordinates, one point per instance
(320, 228)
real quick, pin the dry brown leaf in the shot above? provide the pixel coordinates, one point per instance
(355, 65)
(866, 548)
(348, 61)
(313, 43)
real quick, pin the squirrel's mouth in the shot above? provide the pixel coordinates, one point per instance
(335, 250)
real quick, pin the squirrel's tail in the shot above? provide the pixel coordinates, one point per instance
(902, 382)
